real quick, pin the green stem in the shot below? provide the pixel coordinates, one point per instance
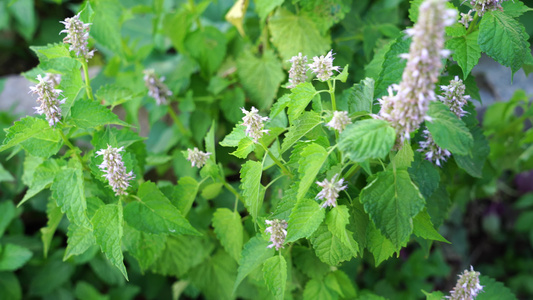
(88, 88)
(74, 149)
(332, 95)
(473, 25)
(193, 10)
(352, 171)
(180, 125)
(233, 191)
(283, 168)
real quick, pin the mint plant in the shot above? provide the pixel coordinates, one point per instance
(244, 184)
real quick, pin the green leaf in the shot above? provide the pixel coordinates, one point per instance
(185, 194)
(246, 145)
(108, 230)
(329, 248)
(343, 75)
(300, 97)
(493, 290)
(50, 275)
(392, 201)
(23, 11)
(252, 190)
(113, 94)
(264, 7)
(475, 160)
(448, 131)
(85, 291)
(215, 276)
(54, 217)
(404, 157)
(80, 238)
(466, 51)
(13, 257)
(303, 125)
(504, 39)
(182, 253)
(176, 26)
(90, 114)
(69, 192)
(437, 295)
(336, 220)
(361, 96)
(311, 160)
(380, 247)
(254, 253)
(154, 213)
(370, 138)
(35, 136)
(107, 24)
(515, 8)
(207, 45)
(343, 283)
(145, 247)
(8, 214)
(392, 67)
(413, 10)
(425, 175)
(275, 275)
(304, 220)
(306, 261)
(10, 286)
(229, 230)
(236, 135)
(316, 289)
(422, 227)
(5, 175)
(260, 76)
(301, 31)
(43, 176)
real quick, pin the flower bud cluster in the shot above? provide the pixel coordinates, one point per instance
(297, 73)
(431, 150)
(54, 79)
(156, 88)
(323, 66)
(407, 109)
(466, 18)
(254, 124)
(339, 121)
(114, 169)
(467, 287)
(482, 6)
(197, 157)
(48, 96)
(330, 190)
(278, 232)
(77, 36)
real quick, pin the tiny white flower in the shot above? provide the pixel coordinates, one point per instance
(114, 169)
(467, 287)
(466, 18)
(156, 88)
(297, 73)
(339, 121)
(482, 6)
(48, 97)
(277, 229)
(254, 124)
(77, 36)
(55, 79)
(197, 157)
(323, 66)
(330, 190)
(454, 96)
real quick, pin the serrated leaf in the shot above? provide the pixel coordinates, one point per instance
(404, 157)
(43, 176)
(8, 214)
(336, 220)
(301, 31)
(229, 230)
(181, 253)
(380, 247)
(316, 289)
(254, 253)
(475, 160)
(208, 47)
(425, 175)
(80, 238)
(68, 190)
(392, 201)
(154, 213)
(35, 136)
(515, 8)
(344, 284)
(275, 275)
(438, 205)
(13, 257)
(145, 247)
(436, 295)
(251, 187)
(5, 175)
(422, 227)
(113, 94)
(392, 67)
(504, 39)
(311, 160)
(89, 114)
(466, 51)
(306, 261)
(215, 276)
(361, 96)
(108, 231)
(448, 131)
(304, 220)
(260, 76)
(493, 290)
(264, 7)
(107, 25)
(329, 248)
(300, 97)
(304, 124)
(245, 147)
(371, 138)
(10, 286)
(54, 215)
(235, 136)
(185, 194)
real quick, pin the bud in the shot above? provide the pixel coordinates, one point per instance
(339, 121)
(330, 190)
(77, 36)
(454, 96)
(297, 73)
(467, 287)
(323, 66)
(432, 151)
(482, 6)
(48, 97)
(254, 124)
(278, 232)
(115, 170)
(156, 88)
(466, 18)
(197, 157)
(407, 109)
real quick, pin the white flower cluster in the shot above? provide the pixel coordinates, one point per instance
(114, 169)
(254, 124)
(55, 79)
(330, 190)
(297, 73)
(339, 121)
(278, 232)
(156, 88)
(197, 157)
(48, 96)
(482, 6)
(466, 18)
(406, 110)
(467, 287)
(323, 66)
(77, 36)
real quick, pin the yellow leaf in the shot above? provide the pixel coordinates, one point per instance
(236, 15)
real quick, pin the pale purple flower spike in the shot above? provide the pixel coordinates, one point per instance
(114, 169)
(77, 36)
(297, 73)
(197, 157)
(407, 109)
(339, 121)
(254, 124)
(330, 190)
(323, 66)
(156, 88)
(482, 6)
(467, 287)
(277, 229)
(48, 97)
